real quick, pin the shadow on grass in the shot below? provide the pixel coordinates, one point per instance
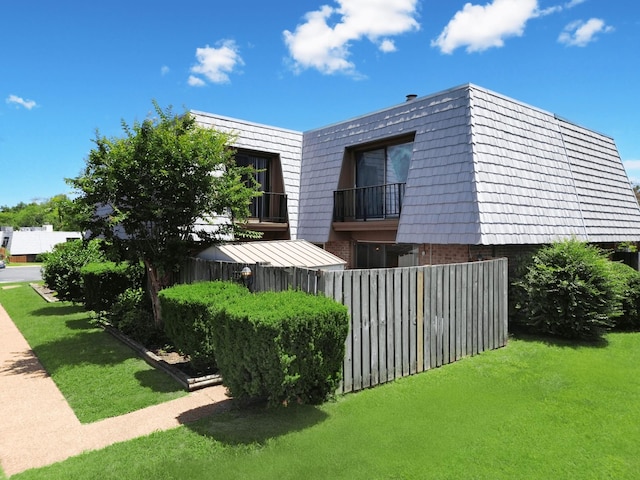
(158, 381)
(80, 324)
(58, 310)
(94, 348)
(523, 334)
(255, 424)
(83, 347)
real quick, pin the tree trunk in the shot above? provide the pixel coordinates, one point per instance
(155, 285)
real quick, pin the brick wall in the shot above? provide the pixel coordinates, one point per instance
(440, 254)
(343, 249)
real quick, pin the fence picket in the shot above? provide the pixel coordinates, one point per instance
(476, 307)
(380, 296)
(366, 330)
(374, 327)
(433, 314)
(420, 319)
(396, 317)
(413, 321)
(457, 308)
(356, 322)
(390, 319)
(348, 372)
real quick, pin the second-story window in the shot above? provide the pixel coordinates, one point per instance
(381, 174)
(271, 206)
(383, 166)
(260, 165)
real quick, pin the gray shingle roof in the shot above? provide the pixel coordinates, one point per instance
(263, 138)
(485, 169)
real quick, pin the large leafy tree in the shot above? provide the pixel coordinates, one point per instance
(164, 188)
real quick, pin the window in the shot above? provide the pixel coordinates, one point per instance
(261, 166)
(384, 165)
(380, 255)
(380, 177)
(271, 206)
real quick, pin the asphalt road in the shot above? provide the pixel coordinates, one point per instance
(20, 274)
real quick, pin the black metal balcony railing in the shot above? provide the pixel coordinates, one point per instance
(270, 207)
(364, 203)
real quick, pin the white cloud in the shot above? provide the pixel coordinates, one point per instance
(580, 34)
(164, 70)
(481, 27)
(215, 64)
(387, 46)
(196, 81)
(323, 40)
(560, 8)
(15, 100)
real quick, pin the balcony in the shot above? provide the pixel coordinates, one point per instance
(269, 208)
(378, 202)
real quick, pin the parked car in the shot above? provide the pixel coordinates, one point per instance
(2, 265)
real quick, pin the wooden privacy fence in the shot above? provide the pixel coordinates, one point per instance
(403, 320)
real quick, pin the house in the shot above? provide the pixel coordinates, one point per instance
(25, 244)
(455, 176)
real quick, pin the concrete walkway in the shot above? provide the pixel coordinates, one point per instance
(37, 426)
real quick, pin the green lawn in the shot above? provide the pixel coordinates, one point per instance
(98, 375)
(532, 410)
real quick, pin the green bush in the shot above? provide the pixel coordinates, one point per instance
(568, 289)
(284, 346)
(104, 281)
(132, 315)
(277, 346)
(630, 278)
(186, 312)
(61, 267)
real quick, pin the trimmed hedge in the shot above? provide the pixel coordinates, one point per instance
(279, 346)
(104, 281)
(186, 312)
(282, 346)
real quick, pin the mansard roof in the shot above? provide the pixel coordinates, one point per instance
(486, 169)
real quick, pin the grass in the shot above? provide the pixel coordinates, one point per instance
(533, 410)
(98, 375)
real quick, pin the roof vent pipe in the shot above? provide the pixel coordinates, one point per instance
(411, 96)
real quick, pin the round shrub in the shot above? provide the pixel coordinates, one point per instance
(630, 279)
(104, 281)
(61, 267)
(568, 289)
(132, 315)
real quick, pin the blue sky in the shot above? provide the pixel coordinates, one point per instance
(68, 68)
